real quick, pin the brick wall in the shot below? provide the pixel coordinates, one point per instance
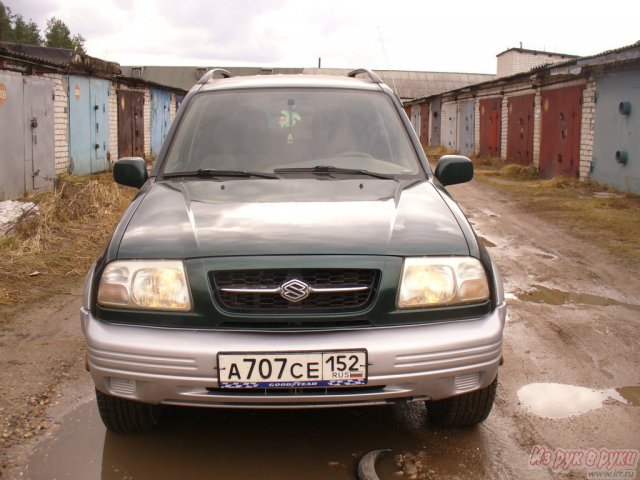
(515, 61)
(586, 133)
(113, 123)
(537, 128)
(147, 121)
(504, 122)
(60, 121)
(172, 108)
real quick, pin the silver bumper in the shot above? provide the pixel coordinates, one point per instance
(408, 363)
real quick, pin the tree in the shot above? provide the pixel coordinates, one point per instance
(78, 43)
(26, 32)
(6, 32)
(57, 34)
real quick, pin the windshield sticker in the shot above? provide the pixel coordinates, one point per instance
(288, 119)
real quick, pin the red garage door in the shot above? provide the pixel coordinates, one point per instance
(490, 126)
(520, 129)
(560, 136)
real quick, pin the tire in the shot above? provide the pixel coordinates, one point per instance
(120, 415)
(463, 410)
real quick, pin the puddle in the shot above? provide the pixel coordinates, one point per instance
(631, 395)
(263, 444)
(486, 243)
(556, 400)
(551, 296)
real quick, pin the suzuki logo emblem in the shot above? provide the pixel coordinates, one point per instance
(294, 290)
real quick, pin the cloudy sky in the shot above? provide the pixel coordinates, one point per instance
(448, 36)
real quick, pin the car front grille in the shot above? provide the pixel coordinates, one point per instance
(297, 291)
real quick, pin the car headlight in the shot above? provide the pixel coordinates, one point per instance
(439, 281)
(146, 285)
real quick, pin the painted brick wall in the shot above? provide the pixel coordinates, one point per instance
(503, 128)
(172, 108)
(586, 133)
(147, 122)
(60, 121)
(477, 127)
(537, 128)
(113, 123)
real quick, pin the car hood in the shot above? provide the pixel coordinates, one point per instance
(196, 218)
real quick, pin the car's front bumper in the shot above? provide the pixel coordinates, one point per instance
(178, 367)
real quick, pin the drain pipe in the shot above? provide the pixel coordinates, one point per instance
(367, 465)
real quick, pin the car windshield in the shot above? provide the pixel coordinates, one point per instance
(292, 131)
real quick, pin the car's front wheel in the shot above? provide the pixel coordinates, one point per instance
(126, 416)
(463, 410)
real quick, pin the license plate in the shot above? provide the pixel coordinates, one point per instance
(292, 369)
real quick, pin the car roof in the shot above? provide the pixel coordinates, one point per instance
(289, 80)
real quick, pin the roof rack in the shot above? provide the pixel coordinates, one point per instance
(209, 75)
(372, 76)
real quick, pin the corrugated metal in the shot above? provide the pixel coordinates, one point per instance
(560, 135)
(436, 121)
(160, 118)
(88, 124)
(407, 84)
(490, 126)
(424, 124)
(520, 129)
(449, 131)
(616, 131)
(27, 134)
(466, 132)
(130, 123)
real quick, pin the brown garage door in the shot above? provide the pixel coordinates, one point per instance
(560, 137)
(130, 124)
(490, 126)
(520, 129)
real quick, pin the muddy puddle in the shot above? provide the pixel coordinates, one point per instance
(266, 445)
(551, 296)
(556, 400)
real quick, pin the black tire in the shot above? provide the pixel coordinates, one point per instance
(463, 410)
(120, 415)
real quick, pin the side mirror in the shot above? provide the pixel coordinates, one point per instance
(130, 171)
(453, 169)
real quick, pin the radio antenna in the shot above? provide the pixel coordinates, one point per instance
(384, 50)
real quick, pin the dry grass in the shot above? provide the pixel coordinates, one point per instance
(590, 211)
(48, 248)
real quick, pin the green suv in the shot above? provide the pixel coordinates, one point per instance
(292, 248)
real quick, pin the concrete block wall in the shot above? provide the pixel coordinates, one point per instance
(587, 129)
(60, 121)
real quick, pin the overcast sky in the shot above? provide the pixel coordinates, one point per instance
(447, 36)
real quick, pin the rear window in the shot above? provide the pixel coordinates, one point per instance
(267, 129)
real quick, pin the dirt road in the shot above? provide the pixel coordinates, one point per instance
(571, 380)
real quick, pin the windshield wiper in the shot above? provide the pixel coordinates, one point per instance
(212, 172)
(331, 169)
